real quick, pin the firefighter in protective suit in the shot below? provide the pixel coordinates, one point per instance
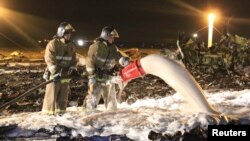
(60, 57)
(102, 59)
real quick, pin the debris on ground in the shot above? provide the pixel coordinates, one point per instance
(18, 56)
(59, 133)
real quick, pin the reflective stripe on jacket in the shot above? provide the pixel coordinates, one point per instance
(103, 57)
(59, 54)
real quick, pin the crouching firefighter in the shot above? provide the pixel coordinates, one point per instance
(101, 63)
(60, 57)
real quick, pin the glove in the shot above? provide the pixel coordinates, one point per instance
(46, 74)
(124, 61)
(73, 73)
(56, 77)
(92, 80)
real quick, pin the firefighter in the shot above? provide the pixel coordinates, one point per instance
(101, 65)
(60, 57)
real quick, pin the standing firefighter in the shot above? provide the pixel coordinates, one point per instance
(101, 63)
(60, 57)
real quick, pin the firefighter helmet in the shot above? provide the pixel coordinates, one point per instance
(64, 28)
(107, 32)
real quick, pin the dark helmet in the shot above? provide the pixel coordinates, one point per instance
(64, 28)
(107, 32)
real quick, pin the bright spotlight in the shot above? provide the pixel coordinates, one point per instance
(195, 35)
(80, 42)
(211, 18)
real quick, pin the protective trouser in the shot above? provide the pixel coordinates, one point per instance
(56, 97)
(107, 91)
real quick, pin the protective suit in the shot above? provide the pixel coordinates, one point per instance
(100, 64)
(60, 57)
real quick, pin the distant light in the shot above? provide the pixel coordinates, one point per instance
(195, 35)
(80, 42)
(211, 18)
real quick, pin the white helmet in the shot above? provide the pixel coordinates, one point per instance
(64, 28)
(107, 32)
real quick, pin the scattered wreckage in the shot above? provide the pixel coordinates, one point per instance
(227, 62)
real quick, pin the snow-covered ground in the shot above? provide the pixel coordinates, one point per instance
(165, 115)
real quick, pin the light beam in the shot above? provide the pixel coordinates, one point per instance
(211, 18)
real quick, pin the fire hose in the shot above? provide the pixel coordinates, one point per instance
(175, 75)
(29, 92)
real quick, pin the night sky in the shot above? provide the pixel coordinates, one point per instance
(27, 21)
